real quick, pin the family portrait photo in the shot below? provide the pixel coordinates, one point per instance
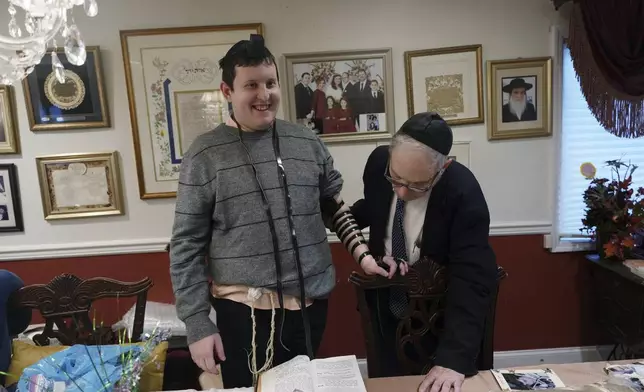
(339, 94)
(520, 98)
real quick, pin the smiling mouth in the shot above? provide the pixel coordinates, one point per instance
(262, 108)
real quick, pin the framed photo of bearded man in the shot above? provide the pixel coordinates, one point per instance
(519, 93)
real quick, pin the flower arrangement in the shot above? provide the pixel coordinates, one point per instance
(100, 368)
(614, 211)
(324, 70)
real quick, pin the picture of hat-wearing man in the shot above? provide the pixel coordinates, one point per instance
(254, 200)
(519, 105)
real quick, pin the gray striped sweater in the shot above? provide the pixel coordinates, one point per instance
(219, 213)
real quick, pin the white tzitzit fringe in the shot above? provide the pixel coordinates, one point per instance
(253, 295)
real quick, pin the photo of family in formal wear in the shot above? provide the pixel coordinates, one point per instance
(334, 97)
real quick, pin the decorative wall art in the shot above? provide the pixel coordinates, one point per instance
(79, 102)
(9, 135)
(80, 185)
(460, 152)
(519, 98)
(448, 81)
(173, 80)
(10, 207)
(342, 96)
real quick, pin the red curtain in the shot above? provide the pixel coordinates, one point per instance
(606, 44)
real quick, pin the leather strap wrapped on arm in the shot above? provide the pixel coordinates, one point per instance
(339, 219)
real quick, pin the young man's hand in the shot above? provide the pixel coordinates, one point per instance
(207, 352)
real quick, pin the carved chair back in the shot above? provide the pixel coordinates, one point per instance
(426, 286)
(65, 302)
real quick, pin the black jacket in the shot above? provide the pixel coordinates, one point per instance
(455, 233)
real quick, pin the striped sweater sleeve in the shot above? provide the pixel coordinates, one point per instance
(190, 242)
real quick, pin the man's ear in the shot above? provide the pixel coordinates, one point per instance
(226, 90)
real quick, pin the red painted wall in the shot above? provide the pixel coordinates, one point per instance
(544, 303)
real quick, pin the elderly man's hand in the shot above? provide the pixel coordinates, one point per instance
(440, 379)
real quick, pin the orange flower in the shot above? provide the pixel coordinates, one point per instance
(628, 242)
(610, 249)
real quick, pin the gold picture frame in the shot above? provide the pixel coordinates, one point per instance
(357, 111)
(90, 182)
(9, 135)
(153, 59)
(529, 113)
(80, 104)
(448, 81)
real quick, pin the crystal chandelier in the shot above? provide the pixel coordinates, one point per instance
(44, 22)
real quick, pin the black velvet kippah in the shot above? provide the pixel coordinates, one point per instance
(254, 47)
(430, 129)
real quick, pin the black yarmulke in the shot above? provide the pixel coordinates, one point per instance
(430, 129)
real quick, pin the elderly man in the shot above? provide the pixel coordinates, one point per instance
(418, 203)
(518, 108)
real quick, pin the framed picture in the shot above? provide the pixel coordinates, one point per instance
(10, 208)
(9, 135)
(448, 81)
(460, 152)
(80, 185)
(519, 98)
(342, 96)
(78, 103)
(173, 78)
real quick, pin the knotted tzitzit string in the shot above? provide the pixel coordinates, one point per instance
(398, 295)
(253, 295)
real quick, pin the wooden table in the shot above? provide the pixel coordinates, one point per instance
(570, 374)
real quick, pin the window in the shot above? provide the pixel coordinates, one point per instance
(583, 139)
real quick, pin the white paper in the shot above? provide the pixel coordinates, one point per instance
(74, 188)
(291, 376)
(338, 374)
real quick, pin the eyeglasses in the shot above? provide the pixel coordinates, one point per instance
(398, 184)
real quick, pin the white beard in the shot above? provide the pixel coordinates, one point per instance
(518, 107)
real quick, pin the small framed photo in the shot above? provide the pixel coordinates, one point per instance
(342, 96)
(448, 81)
(460, 153)
(78, 103)
(9, 135)
(526, 379)
(80, 185)
(519, 98)
(10, 207)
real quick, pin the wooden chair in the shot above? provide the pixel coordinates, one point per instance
(426, 285)
(66, 301)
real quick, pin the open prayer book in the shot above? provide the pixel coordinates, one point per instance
(300, 374)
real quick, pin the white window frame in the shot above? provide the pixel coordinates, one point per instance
(553, 241)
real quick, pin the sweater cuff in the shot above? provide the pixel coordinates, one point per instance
(199, 326)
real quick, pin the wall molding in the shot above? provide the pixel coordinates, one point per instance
(153, 245)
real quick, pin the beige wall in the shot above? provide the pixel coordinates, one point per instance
(516, 175)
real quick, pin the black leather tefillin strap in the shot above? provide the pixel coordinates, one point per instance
(276, 252)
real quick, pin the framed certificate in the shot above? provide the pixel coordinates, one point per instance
(80, 185)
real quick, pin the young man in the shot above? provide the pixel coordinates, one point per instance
(253, 199)
(418, 203)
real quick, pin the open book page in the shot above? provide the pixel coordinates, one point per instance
(292, 376)
(337, 374)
